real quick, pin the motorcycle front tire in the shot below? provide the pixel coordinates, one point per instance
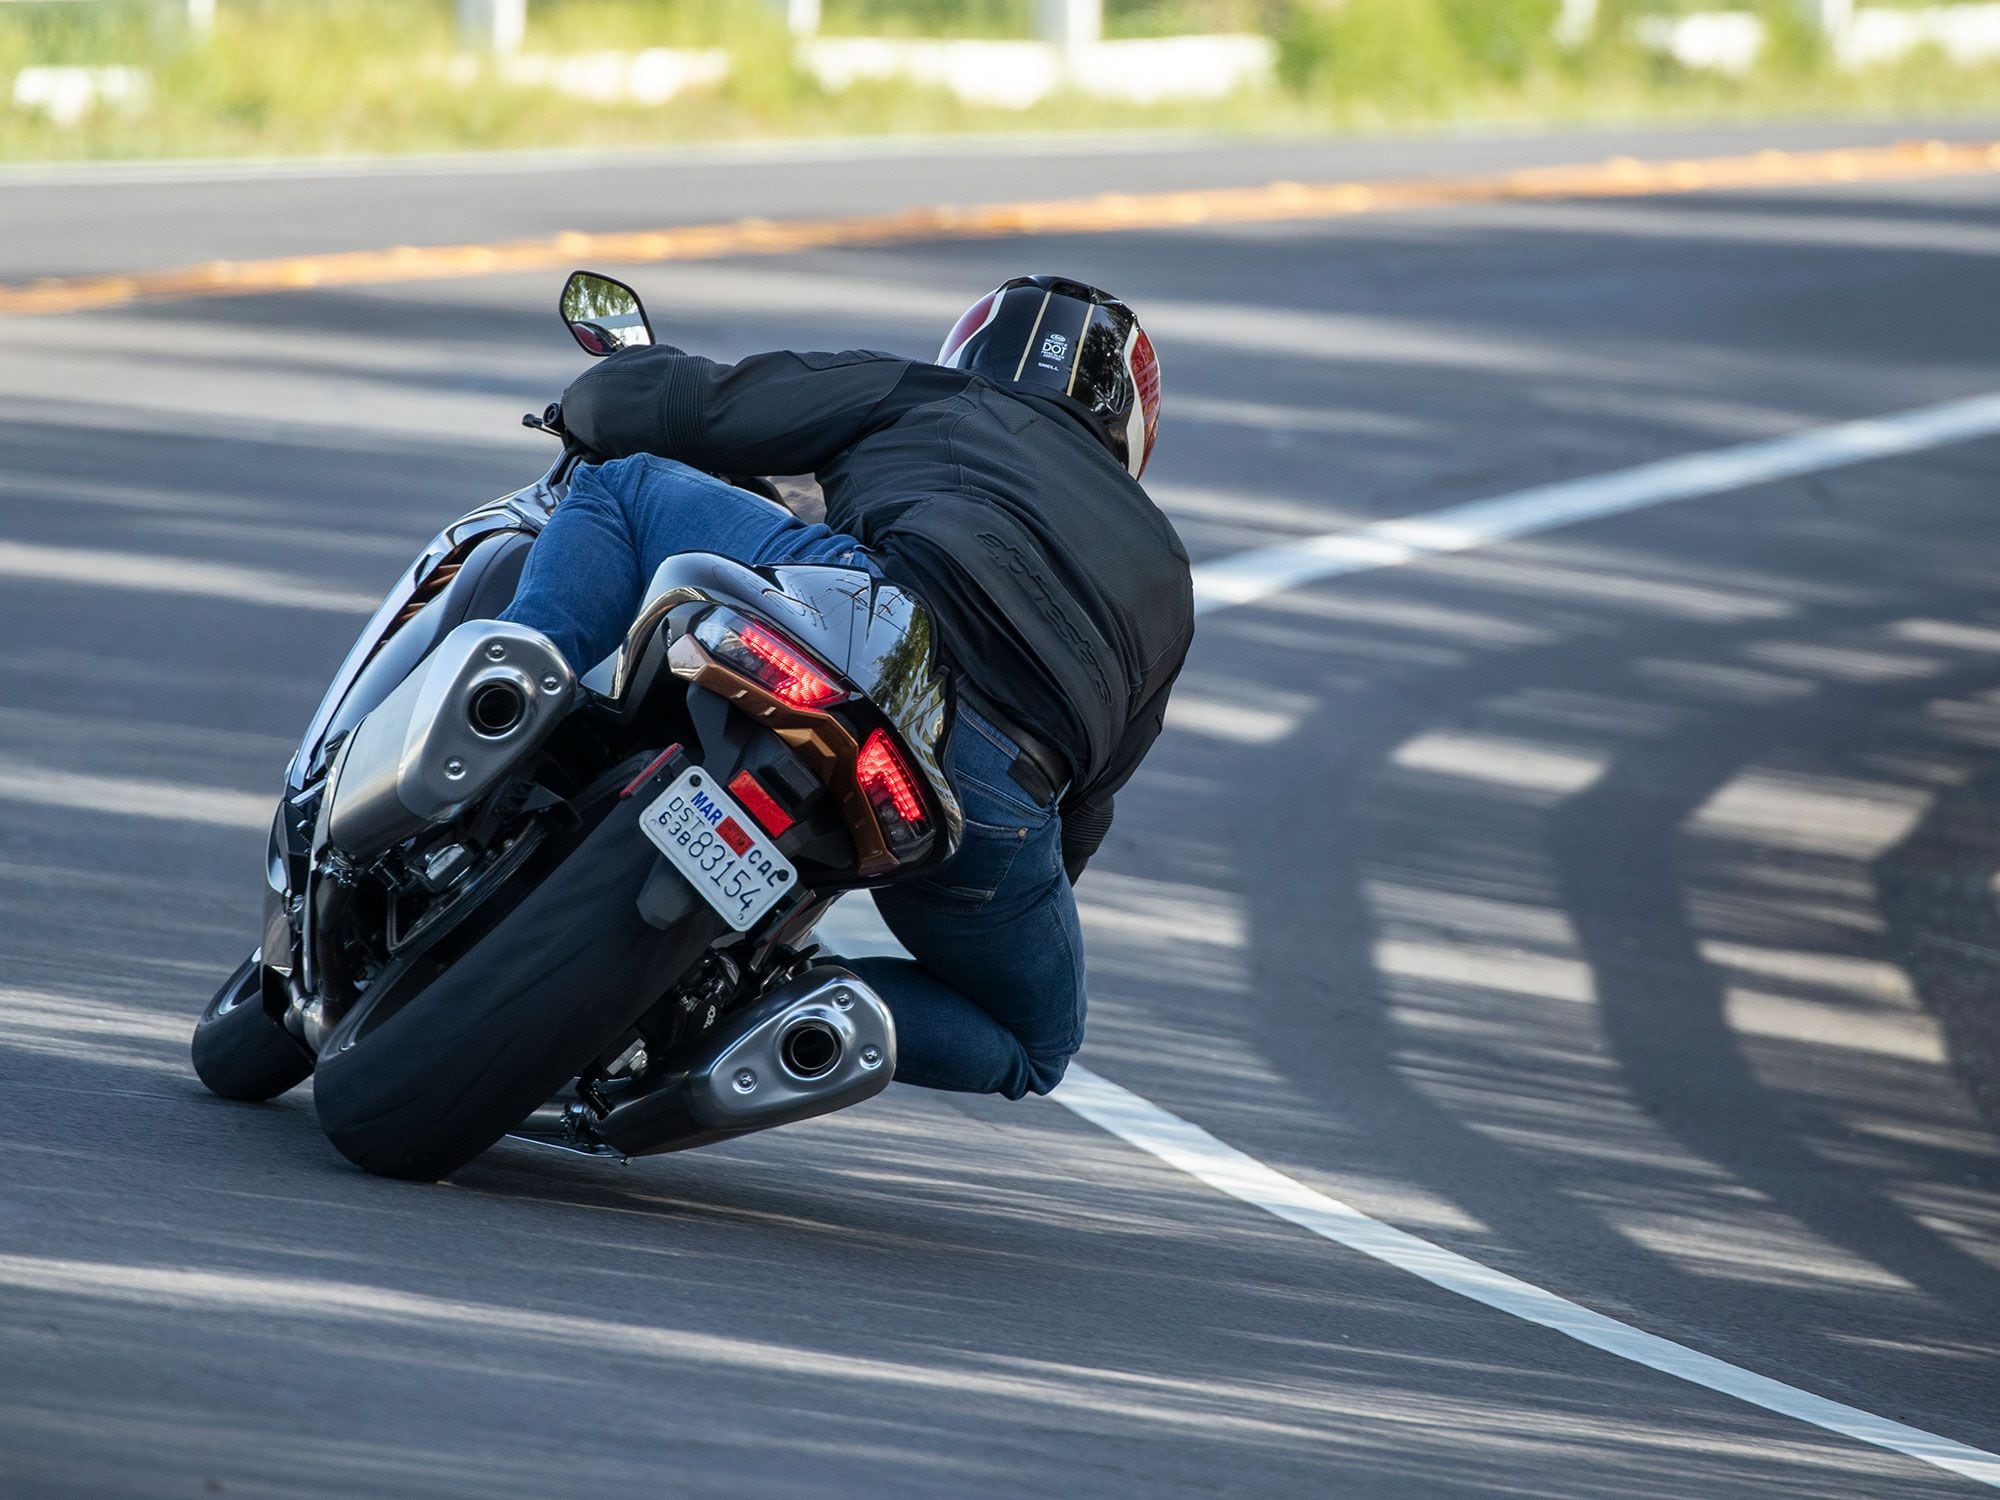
(241, 1051)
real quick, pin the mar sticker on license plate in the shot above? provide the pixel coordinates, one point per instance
(714, 844)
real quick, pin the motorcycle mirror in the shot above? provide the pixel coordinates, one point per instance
(603, 315)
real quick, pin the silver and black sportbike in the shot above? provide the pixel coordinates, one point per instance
(502, 898)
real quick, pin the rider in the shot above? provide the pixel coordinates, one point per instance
(1000, 486)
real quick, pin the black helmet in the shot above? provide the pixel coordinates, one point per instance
(1061, 335)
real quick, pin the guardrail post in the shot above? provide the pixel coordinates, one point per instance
(1071, 24)
(492, 25)
(1833, 16)
(201, 16)
(801, 16)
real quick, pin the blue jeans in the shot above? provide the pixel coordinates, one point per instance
(993, 999)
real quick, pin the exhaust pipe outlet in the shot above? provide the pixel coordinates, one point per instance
(818, 1043)
(809, 1050)
(472, 710)
(496, 709)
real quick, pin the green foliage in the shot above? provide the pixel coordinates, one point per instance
(1396, 58)
(372, 75)
(1365, 63)
(1187, 17)
(594, 25)
(1502, 41)
(1382, 56)
(1016, 18)
(983, 18)
(1794, 48)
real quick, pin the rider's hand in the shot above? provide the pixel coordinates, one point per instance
(583, 403)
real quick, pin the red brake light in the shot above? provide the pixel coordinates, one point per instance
(764, 656)
(890, 788)
(789, 674)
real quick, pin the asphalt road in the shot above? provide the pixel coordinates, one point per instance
(1616, 906)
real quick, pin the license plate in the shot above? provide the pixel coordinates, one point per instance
(714, 844)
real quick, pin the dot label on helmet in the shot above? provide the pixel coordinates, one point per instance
(1056, 347)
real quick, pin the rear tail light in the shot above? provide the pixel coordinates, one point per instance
(767, 658)
(892, 791)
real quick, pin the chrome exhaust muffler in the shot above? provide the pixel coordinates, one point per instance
(487, 696)
(812, 1045)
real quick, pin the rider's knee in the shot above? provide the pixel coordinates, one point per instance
(1044, 1072)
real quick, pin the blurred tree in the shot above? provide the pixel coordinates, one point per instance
(1401, 54)
(1502, 40)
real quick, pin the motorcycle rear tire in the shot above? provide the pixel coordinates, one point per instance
(416, 1086)
(241, 1051)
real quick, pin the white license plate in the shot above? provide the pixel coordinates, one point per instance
(715, 845)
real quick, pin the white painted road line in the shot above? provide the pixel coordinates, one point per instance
(855, 930)
(1250, 576)
(98, 568)
(1141, 1123)
(132, 796)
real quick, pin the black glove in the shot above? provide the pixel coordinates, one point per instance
(591, 397)
(1084, 826)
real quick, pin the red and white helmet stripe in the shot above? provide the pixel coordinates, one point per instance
(1143, 427)
(1073, 339)
(974, 318)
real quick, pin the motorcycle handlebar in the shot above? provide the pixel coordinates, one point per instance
(549, 421)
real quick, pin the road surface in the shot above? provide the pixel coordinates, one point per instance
(1614, 905)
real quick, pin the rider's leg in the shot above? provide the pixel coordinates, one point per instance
(995, 1000)
(620, 521)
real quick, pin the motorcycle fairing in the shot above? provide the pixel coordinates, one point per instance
(461, 567)
(467, 570)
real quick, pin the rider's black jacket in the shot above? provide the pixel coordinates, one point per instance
(1060, 589)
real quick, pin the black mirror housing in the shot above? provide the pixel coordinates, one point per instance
(604, 315)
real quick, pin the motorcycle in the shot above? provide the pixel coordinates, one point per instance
(505, 899)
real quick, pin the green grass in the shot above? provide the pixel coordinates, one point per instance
(318, 76)
(1015, 18)
(1382, 63)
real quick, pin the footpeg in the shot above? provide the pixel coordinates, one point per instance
(562, 1125)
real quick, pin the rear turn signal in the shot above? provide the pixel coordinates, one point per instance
(767, 658)
(892, 791)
